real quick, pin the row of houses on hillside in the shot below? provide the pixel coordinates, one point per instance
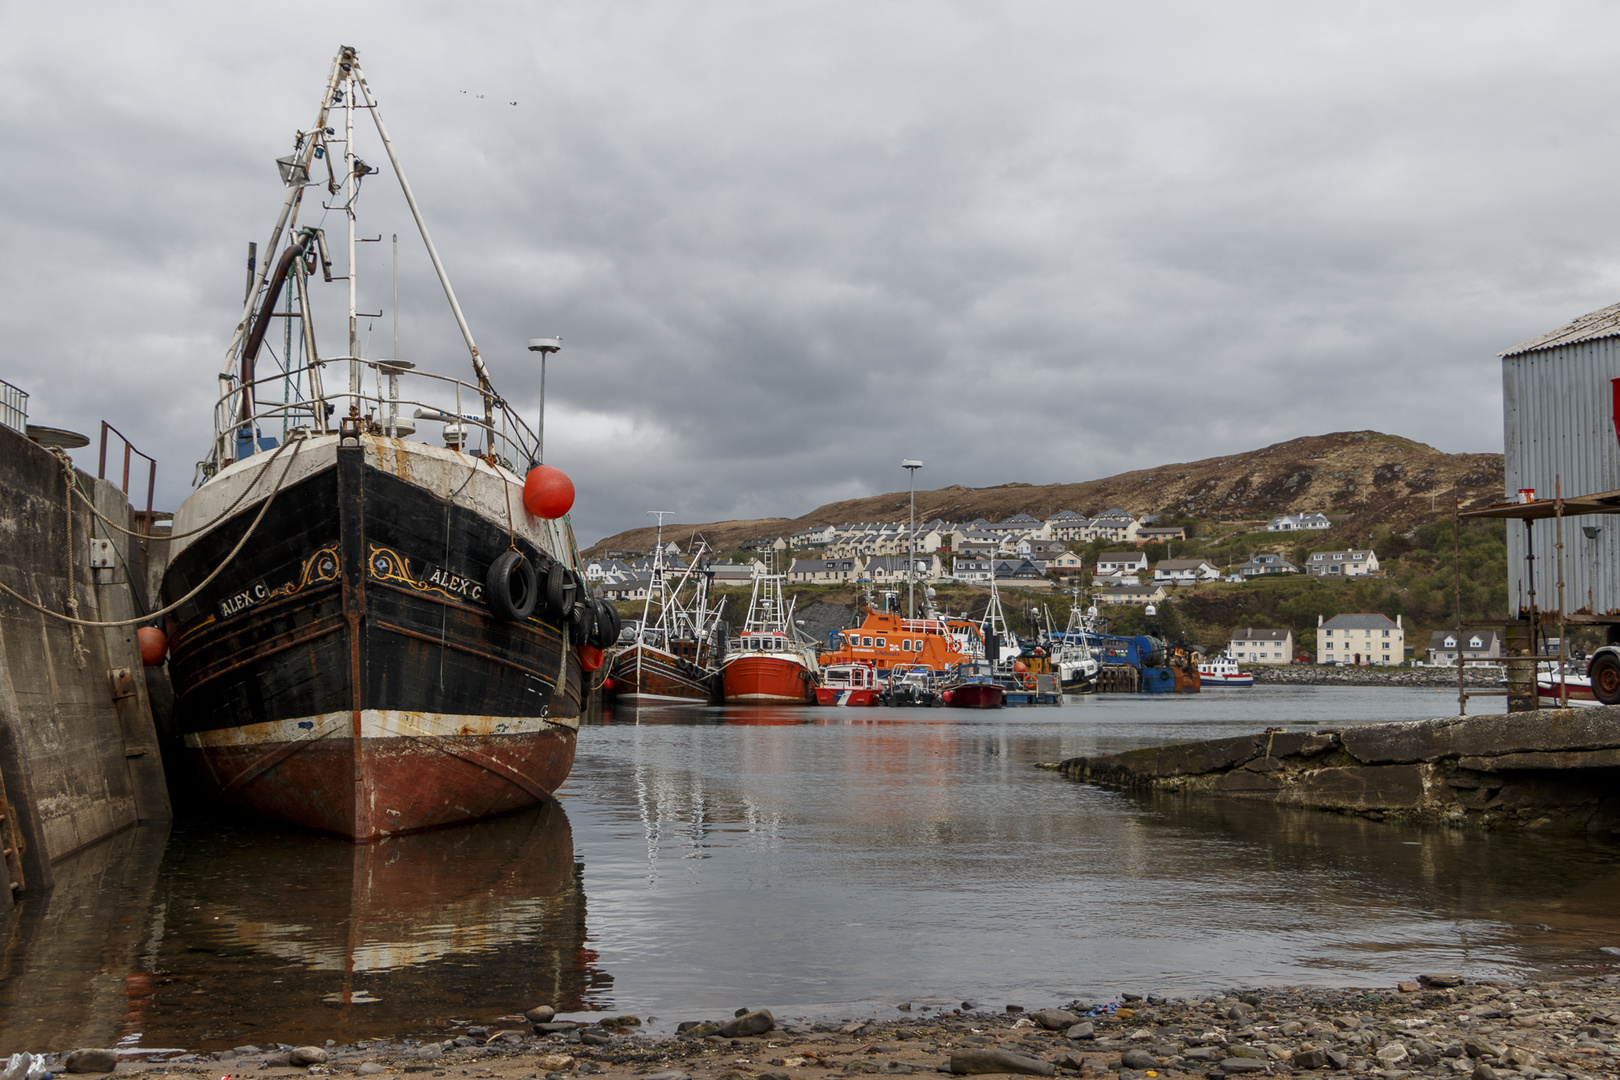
(1342, 564)
(980, 536)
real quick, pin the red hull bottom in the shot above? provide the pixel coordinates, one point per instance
(391, 784)
(976, 696)
(826, 695)
(766, 680)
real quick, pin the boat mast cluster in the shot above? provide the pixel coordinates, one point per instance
(247, 403)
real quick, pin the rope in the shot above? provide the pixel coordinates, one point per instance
(72, 590)
(201, 529)
(73, 605)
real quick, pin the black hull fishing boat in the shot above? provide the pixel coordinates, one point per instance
(376, 635)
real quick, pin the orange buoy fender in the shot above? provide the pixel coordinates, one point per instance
(590, 657)
(608, 684)
(547, 492)
(1018, 667)
(154, 645)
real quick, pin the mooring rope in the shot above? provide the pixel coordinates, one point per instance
(77, 490)
(73, 604)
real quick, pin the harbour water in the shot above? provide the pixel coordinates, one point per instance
(819, 862)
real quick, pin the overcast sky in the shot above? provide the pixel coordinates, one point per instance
(788, 244)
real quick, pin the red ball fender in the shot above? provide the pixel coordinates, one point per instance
(154, 645)
(547, 492)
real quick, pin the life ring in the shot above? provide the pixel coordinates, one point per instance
(1029, 682)
(512, 587)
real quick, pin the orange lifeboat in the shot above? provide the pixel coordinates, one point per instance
(885, 640)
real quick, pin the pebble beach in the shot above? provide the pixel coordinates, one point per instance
(1438, 1025)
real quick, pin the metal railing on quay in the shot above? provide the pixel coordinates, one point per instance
(13, 407)
(129, 453)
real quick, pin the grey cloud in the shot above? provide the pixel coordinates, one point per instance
(788, 244)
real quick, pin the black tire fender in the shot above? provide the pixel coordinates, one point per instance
(581, 621)
(556, 578)
(512, 587)
(607, 625)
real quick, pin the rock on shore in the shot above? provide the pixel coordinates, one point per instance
(1436, 1026)
(1554, 769)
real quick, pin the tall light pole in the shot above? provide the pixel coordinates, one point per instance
(911, 468)
(545, 346)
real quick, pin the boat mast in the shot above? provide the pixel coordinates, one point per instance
(433, 253)
(295, 191)
(353, 183)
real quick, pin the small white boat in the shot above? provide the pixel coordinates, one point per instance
(1572, 685)
(1222, 670)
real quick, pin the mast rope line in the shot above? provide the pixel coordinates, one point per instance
(77, 490)
(73, 604)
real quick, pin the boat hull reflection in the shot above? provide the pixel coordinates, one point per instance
(354, 941)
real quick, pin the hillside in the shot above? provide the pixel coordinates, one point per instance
(1363, 480)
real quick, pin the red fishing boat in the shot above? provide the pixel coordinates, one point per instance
(972, 685)
(764, 665)
(848, 684)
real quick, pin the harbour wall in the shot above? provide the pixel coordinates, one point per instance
(79, 756)
(1553, 769)
(1322, 675)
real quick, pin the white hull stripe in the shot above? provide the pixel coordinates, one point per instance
(374, 724)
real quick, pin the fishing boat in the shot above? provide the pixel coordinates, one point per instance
(370, 635)
(972, 684)
(848, 684)
(674, 656)
(915, 685)
(1222, 670)
(1075, 649)
(765, 664)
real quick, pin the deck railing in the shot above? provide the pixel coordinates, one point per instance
(387, 409)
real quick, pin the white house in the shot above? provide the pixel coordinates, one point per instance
(1133, 594)
(1341, 563)
(818, 536)
(1298, 523)
(1264, 564)
(826, 571)
(1185, 570)
(973, 570)
(1363, 638)
(1122, 562)
(888, 569)
(1252, 645)
(1067, 525)
(1475, 645)
(1114, 525)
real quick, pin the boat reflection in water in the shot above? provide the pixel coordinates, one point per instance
(264, 935)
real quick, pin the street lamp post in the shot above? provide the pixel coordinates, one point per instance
(545, 346)
(911, 466)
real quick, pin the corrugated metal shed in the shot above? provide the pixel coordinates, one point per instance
(1603, 323)
(1559, 426)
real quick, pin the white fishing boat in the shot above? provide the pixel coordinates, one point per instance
(1222, 670)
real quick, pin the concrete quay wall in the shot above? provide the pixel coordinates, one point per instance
(79, 759)
(1323, 675)
(1552, 769)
